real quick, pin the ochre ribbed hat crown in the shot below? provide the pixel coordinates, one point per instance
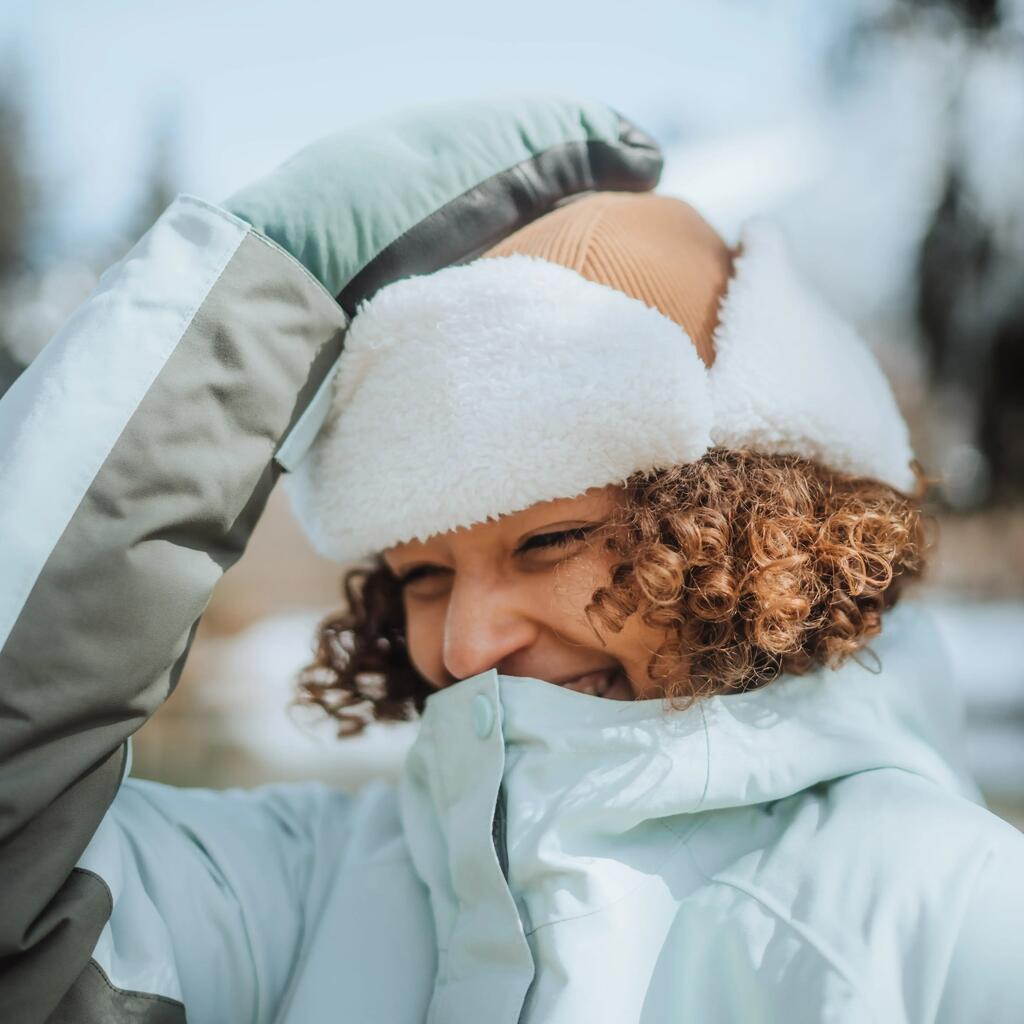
(654, 248)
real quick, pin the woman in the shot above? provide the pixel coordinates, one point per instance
(616, 486)
(730, 562)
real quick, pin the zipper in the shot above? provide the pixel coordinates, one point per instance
(498, 832)
(499, 838)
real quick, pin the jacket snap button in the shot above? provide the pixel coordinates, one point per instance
(483, 716)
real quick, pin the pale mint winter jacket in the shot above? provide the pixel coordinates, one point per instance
(811, 851)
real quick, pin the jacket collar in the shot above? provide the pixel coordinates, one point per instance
(597, 793)
(896, 705)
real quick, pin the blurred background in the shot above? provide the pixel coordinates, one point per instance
(885, 135)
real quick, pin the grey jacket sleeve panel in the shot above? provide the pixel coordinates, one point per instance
(94, 997)
(135, 458)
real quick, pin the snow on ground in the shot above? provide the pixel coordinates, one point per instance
(249, 696)
(986, 643)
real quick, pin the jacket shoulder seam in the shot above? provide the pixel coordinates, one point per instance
(807, 937)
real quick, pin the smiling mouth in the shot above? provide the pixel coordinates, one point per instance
(597, 683)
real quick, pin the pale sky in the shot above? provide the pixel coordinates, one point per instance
(247, 82)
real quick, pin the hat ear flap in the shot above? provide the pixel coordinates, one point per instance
(790, 376)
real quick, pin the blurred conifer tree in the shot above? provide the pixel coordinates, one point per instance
(969, 298)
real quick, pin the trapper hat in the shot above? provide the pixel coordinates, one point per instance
(616, 333)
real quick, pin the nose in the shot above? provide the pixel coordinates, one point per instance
(485, 625)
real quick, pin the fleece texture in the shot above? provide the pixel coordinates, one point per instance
(481, 389)
(791, 376)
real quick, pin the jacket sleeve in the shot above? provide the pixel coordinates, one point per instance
(985, 978)
(136, 456)
(210, 898)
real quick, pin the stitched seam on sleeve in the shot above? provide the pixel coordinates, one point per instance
(131, 992)
(30, 581)
(103, 883)
(317, 284)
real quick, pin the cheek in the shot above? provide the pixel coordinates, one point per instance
(576, 580)
(636, 643)
(568, 591)
(424, 637)
(632, 645)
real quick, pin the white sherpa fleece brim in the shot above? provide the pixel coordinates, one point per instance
(481, 389)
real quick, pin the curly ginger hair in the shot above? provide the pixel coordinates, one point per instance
(751, 566)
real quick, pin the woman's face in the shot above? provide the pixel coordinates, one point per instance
(509, 594)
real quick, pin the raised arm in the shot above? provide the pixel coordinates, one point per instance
(136, 455)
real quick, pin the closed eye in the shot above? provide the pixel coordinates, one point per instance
(539, 541)
(418, 572)
(558, 538)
